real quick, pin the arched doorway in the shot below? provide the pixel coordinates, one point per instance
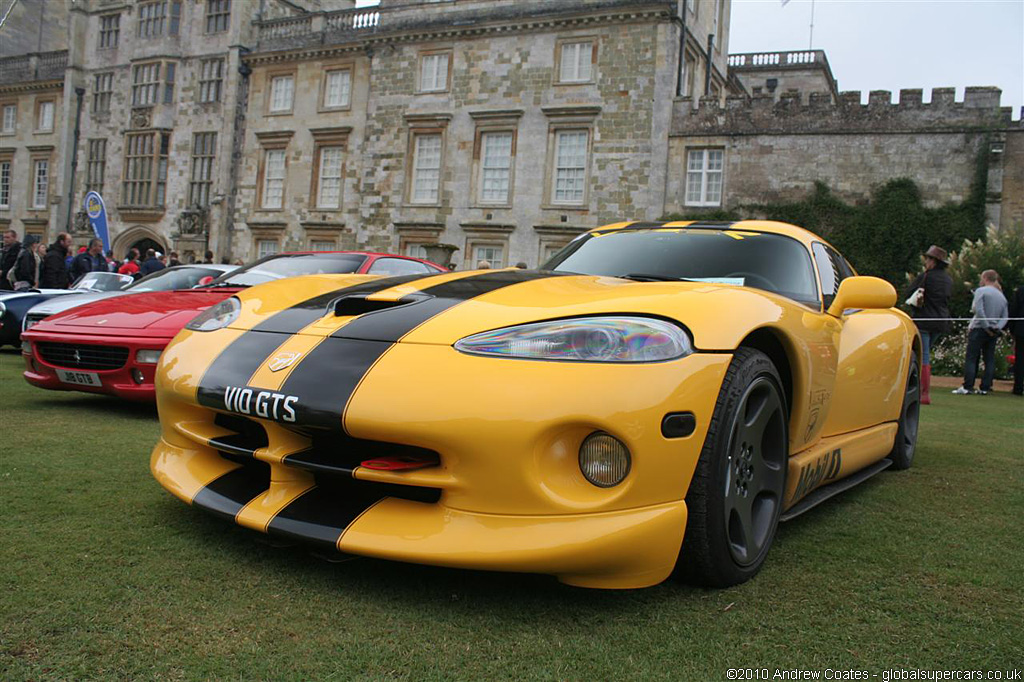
(139, 237)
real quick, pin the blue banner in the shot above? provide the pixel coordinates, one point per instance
(97, 212)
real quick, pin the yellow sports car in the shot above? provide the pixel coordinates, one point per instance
(653, 401)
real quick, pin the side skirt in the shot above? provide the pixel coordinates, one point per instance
(832, 489)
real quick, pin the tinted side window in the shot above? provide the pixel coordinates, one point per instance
(832, 268)
(398, 266)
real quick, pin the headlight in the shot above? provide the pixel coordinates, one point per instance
(147, 357)
(26, 348)
(584, 339)
(217, 317)
(29, 321)
(3, 309)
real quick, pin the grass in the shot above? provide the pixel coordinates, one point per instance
(105, 575)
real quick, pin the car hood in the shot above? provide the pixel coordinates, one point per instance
(445, 308)
(10, 296)
(161, 313)
(62, 303)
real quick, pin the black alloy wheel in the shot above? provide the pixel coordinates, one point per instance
(736, 495)
(903, 448)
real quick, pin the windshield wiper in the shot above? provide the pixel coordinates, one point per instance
(225, 284)
(644, 277)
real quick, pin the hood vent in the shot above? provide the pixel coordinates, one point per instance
(359, 304)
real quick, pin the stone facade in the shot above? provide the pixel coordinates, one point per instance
(500, 127)
(34, 110)
(502, 76)
(776, 150)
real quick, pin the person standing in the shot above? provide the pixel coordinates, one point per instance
(990, 313)
(131, 263)
(54, 274)
(11, 249)
(1017, 328)
(936, 288)
(151, 264)
(26, 268)
(91, 260)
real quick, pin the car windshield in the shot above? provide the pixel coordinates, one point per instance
(754, 259)
(184, 277)
(279, 267)
(102, 281)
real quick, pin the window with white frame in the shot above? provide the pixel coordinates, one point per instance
(266, 247)
(337, 89)
(493, 254)
(204, 146)
(44, 119)
(41, 183)
(570, 171)
(103, 89)
(145, 84)
(218, 15)
(145, 169)
(10, 121)
(321, 245)
(426, 170)
(110, 31)
(273, 179)
(329, 177)
(415, 250)
(5, 184)
(495, 167)
(575, 64)
(211, 78)
(96, 165)
(704, 177)
(434, 71)
(282, 93)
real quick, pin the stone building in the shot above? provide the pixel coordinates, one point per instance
(34, 108)
(500, 127)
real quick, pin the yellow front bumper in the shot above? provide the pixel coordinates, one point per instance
(509, 494)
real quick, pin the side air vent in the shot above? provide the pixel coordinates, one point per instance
(359, 304)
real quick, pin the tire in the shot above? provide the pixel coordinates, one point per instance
(736, 494)
(903, 447)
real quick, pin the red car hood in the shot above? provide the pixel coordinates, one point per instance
(160, 313)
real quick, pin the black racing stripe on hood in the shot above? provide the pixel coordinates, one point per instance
(242, 357)
(394, 323)
(226, 495)
(300, 315)
(327, 376)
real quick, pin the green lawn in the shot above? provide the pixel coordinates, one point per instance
(105, 575)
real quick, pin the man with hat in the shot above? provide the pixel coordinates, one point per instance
(935, 287)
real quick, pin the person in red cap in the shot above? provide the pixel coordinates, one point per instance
(928, 296)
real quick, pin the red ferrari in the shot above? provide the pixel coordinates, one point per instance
(112, 346)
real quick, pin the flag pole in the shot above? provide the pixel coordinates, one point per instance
(810, 42)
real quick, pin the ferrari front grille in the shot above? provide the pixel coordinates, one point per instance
(80, 356)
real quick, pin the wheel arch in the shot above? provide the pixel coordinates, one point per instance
(773, 343)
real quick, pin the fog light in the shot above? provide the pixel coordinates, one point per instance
(137, 376)
(147, 357)
(604, 460)
(26, 347)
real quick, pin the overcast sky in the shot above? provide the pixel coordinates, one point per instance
(893, 44)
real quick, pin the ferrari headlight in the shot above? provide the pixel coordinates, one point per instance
(147, 357)
(584, 339)
(216, 317)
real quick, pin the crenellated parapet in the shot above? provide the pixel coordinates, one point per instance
(980, 109)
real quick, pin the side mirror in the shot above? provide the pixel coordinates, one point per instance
(862, 292)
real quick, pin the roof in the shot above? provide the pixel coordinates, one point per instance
(764, 226)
